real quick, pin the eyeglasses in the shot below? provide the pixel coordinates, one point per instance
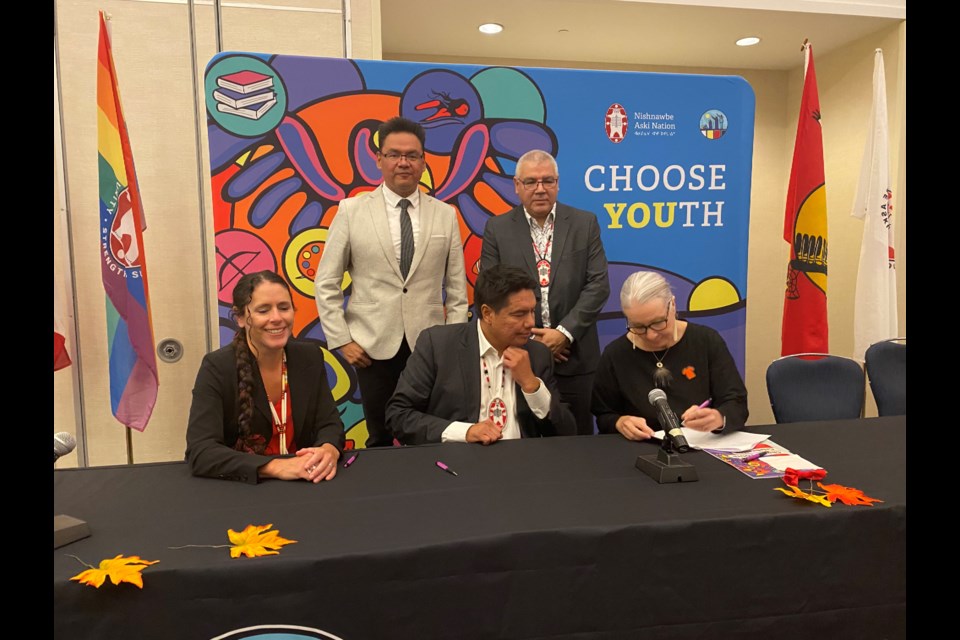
(531, 183)
(393, 156)
(658, 325)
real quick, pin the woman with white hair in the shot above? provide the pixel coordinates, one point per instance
(690, 362)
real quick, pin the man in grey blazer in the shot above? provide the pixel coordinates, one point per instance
(403, 252)
(560, 247)
(483, 381)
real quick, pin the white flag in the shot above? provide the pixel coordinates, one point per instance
(875, 310)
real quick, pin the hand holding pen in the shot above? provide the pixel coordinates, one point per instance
(701, 417)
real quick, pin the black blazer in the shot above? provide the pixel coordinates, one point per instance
(212, 429)
(441, 384)
(579, 283)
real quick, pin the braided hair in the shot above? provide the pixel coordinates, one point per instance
(242, 294)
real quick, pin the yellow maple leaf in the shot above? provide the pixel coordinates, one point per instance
(255, 541)
(119, 569)
(796, 492)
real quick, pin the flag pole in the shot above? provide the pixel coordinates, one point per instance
(66, 234)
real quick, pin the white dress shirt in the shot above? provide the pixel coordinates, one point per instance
(546, 244)
(392, 206)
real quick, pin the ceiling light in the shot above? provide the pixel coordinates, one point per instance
(490, 28)
(748, 42)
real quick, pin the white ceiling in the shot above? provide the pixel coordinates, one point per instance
(637, 32)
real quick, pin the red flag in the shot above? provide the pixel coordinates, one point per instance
(805, 229)
(61, 358)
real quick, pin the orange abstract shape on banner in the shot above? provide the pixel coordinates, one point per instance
(256, 540)
(847, 495)
(119, 569)
(333, 123)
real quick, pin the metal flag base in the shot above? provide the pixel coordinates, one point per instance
(667, 467)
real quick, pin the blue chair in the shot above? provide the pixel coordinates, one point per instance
(887, 370)
(815, 386)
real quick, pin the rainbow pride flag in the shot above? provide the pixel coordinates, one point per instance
(133, 361)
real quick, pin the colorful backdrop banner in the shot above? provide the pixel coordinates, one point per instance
(123, 266)
(663, 160)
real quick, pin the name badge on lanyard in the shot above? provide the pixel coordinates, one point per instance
(543, 272)
(497, 412)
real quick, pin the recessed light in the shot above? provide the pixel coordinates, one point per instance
(490, 28)
(748, 42)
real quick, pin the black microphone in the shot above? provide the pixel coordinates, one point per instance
(63, 443)
(668, 420)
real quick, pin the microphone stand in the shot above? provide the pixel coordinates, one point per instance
(667, 467)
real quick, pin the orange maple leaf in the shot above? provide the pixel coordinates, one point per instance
(847, 495)
(119, 569)
(795, 492)
(256, 541)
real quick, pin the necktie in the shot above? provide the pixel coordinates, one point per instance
(406, 239)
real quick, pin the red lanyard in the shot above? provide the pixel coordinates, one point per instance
(281, 420)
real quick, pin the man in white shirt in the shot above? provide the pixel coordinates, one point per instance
(483, 381)
(403, 252)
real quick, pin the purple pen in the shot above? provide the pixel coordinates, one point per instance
(350, 460)
(446, 468)
(705, 403)
(753, 456)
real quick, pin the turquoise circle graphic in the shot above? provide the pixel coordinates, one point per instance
(509, 94)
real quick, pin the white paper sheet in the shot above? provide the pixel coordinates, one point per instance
(780, 463)
(733, 441)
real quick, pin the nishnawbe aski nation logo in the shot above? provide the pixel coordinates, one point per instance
(277, 632)
(615, 123)
(713, 124)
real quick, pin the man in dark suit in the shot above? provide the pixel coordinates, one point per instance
(560, 247)
(485, 380)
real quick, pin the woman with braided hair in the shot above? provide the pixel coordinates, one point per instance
(262, 407)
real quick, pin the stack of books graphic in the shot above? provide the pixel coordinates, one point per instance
(245, 93)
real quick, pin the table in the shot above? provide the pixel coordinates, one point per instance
(547, 538)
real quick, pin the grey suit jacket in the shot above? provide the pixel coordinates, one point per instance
(441, 384)
(579, 283)
(383, 307)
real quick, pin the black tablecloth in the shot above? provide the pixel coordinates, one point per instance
(548, 538)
